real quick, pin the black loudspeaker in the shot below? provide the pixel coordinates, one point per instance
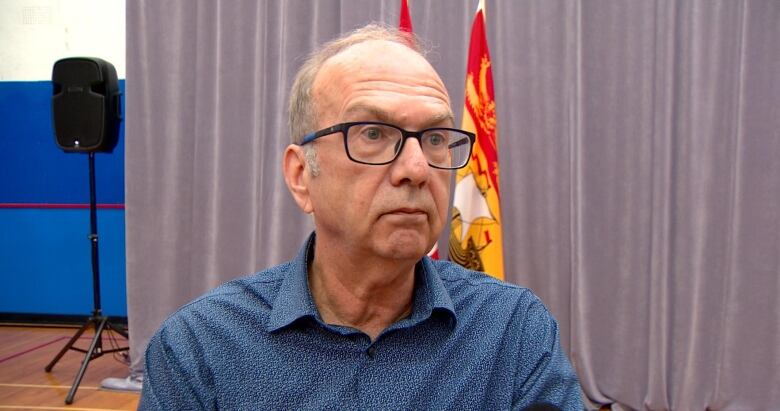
(85, 104)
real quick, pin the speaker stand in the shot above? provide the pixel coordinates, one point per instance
(97, 319)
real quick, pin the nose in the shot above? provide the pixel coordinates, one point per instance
(411, 166)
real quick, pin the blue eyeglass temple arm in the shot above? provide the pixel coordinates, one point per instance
(308, 138)
(459, 143)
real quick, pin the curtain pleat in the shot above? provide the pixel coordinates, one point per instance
(638, 155)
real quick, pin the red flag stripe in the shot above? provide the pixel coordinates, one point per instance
(405, 20)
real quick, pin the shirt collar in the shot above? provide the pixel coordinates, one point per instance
(430, 295)
(294, 300)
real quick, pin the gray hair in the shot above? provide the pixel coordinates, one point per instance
(302, 113)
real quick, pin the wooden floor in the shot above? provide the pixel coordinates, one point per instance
(24, 385)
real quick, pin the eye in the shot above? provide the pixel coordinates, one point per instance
(437, 139)
(372, 133)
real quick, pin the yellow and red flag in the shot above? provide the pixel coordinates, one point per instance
(475, 235)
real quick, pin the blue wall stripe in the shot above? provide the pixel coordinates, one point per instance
(46, 266)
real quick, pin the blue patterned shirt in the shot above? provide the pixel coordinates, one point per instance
(470, 342)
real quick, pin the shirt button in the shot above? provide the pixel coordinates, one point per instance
(371, 352)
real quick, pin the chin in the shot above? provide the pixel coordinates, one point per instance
(404, 246)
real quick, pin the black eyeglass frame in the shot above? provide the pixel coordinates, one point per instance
(343, 128)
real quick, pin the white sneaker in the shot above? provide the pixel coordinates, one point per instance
(131, 383)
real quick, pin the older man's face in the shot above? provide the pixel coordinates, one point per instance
(395, 210)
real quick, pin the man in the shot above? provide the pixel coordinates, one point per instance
(360, 319)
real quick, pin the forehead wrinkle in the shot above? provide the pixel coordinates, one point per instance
(373, 111)
(432, 88)
(429, 91)
(352, 71)
(387, 117)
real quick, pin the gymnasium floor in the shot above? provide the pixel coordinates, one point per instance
(24, 385)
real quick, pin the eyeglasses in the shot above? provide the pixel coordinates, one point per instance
(374, 143)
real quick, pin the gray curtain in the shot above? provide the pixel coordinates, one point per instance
(638, 141)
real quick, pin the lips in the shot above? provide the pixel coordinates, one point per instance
(406, 216)
(407, 211)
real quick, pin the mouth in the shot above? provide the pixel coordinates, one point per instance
(407, 215)
(406, 211)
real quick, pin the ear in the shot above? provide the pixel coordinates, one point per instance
(297, 177)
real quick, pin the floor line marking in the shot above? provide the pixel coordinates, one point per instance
(33, 407)
(82, 387)
(23, 352)
(106, 339)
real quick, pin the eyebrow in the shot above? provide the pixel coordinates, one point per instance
(387, 117)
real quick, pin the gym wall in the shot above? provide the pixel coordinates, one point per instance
(45, 265)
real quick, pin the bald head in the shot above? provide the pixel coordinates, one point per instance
(302, 113)
(348, 86)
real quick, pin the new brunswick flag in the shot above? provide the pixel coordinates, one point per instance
(475, 235)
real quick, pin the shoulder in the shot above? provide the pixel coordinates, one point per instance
(481, 301)
(243, 299)
(460, 281)
(192, 343)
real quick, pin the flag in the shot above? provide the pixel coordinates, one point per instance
(475, 234)
(405, 19)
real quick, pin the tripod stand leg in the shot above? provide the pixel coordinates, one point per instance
(68, 345)
(117, 329)
(96, 342)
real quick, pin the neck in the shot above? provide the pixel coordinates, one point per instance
(366, 294)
